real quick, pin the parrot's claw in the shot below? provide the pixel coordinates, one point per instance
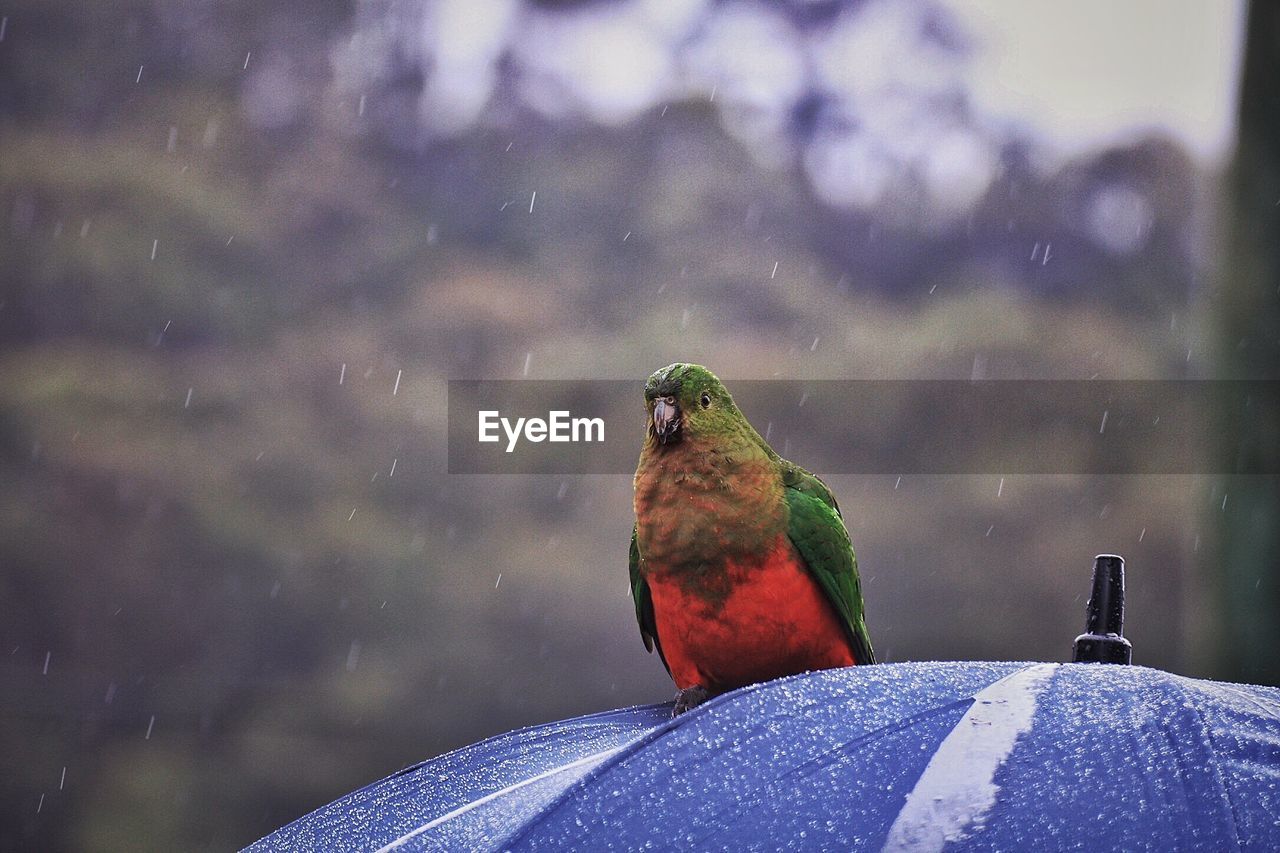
(690, 697)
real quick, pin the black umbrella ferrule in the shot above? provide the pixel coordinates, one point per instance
(1102, 641)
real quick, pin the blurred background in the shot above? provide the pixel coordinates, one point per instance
(243, 245)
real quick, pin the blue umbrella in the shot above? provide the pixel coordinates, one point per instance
(913, 756)
(908, 756)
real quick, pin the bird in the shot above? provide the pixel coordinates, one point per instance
(741, 567)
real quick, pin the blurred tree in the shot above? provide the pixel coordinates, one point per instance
(1248, 312)
(219, 607)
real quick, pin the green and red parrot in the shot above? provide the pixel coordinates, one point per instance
(741, 567)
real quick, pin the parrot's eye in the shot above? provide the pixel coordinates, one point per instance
(706, 400)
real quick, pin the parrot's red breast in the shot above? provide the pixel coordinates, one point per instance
(773, 620)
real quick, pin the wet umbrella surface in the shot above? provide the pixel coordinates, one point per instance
(910, 756)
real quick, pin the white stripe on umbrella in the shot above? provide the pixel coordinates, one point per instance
(582, 765)
(957, 789)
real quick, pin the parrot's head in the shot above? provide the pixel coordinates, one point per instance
(687, 400)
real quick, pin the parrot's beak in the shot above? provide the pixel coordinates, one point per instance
(666, 420)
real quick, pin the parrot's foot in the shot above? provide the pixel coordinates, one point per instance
(690, 697)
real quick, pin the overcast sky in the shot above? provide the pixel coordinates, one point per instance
(1095, 71)
(895, 125)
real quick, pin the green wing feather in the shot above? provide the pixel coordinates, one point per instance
(819, 534)
(644, 602)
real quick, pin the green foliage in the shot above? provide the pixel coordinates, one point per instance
(199, 521)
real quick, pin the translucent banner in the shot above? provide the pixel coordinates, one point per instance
(890, 427)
